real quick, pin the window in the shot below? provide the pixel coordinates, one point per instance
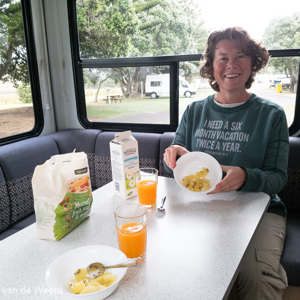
(119, 45)
(145, 103)
(155, 83)
(20, 106)
(278, 82)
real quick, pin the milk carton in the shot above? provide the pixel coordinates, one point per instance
(125, 162)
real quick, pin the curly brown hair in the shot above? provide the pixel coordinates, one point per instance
(258, 53)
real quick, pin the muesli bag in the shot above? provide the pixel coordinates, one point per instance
(62, 194)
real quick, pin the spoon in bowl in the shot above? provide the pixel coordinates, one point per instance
(161, 208)
(97, 268)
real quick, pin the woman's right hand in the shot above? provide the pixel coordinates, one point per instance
(172, 153)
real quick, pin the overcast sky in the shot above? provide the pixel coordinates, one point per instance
(253, 15)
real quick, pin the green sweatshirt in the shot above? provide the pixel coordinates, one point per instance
(253, 136)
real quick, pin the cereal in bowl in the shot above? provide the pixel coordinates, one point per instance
(197, 182)
(83, 284)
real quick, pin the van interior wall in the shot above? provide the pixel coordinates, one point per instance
(55, 65)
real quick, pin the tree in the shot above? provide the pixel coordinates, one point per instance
(165, 27)
(105, 27)
(105, 30)
(284, 33)
(122, 28)
(13, 54)
(24, 92)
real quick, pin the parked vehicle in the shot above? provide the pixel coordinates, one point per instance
(286, 83)
(281, 79)
(158, 85)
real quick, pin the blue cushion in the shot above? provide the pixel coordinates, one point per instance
(290, 193)
(24, 222)
(18, 161)
(83, 140)
(148, 144)
(290, 259)
(148, 149)
(294, 145)
(4, 204)
(6, 233)
(165, 141)
(102, 158)
(18, 226)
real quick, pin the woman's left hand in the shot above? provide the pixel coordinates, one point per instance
(234, 179)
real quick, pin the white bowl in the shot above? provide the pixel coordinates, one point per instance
(193, 162)
(62, 269)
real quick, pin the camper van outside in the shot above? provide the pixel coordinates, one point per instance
(158, 85)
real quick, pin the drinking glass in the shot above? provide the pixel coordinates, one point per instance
(146, 183)
(131, 224)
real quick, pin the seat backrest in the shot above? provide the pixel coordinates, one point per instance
(81, 140)
(165, 142)
(290, 194)
(4, 204)
(18, 161)
(148, 144)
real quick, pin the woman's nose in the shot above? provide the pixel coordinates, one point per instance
(232, 62)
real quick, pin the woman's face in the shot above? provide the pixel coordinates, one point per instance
(232, 68)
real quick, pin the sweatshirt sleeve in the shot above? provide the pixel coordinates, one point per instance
(272, 177)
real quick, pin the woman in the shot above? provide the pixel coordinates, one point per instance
(248, 135)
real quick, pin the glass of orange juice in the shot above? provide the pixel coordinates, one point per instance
(146, 183)
(131, 223)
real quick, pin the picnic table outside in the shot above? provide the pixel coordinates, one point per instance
(111, 98)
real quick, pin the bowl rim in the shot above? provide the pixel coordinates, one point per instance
(182, 159)
(92, 247)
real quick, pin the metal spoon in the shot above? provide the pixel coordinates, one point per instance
(98, 268)
(161, 208)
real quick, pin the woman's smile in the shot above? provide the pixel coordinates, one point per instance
(232, 75)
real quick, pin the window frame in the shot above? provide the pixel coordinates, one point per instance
(172, 61)
(295, 126)
(33, 75)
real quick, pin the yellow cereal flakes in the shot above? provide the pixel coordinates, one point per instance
(197, 182)
(82, 284)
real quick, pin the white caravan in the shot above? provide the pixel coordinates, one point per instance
(158, 85)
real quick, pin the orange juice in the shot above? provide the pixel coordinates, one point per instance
(147, 192)
(132, 239)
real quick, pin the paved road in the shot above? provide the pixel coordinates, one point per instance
(160, 117)
(287, 101)
(280, 98)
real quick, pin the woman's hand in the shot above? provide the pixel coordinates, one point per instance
(172, 153)
(234, 179)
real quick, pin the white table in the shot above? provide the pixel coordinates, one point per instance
(194, 249)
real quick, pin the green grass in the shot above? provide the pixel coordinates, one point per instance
(138, 105)
(127, 107)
